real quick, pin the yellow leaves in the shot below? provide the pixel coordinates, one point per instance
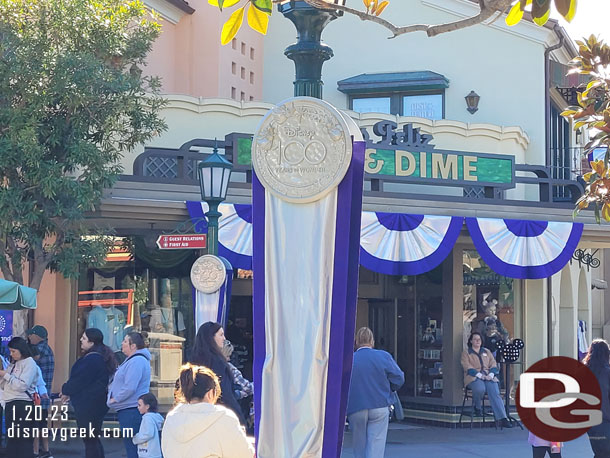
(232, 26)
(382, 6)
(541, 20)
(587, 176)
(516, 12)
(258, 17)
(567, 8)
(225, 4)
(598, 167)
(374, 7)
(258, 20)
(541, 10)
(582, 204)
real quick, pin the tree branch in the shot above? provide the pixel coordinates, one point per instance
(487, 9)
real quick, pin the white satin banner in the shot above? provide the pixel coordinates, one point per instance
(214, 306)
(307, 203)
(206, 307)
(298, 283)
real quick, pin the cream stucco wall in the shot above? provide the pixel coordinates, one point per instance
(504, 66)
(190, 117)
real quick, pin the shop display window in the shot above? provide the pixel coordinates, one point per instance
(410, 327)
(429, 332)
(146, 290)
(491, 303)
(492, 307)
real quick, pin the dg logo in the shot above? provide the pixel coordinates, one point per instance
(295, 152)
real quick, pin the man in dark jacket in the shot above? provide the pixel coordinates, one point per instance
(38, 336)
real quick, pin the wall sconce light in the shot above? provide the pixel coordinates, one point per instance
(472, 102)
(578, 136)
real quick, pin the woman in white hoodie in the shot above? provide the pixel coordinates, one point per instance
(18, 384)
(197, 427)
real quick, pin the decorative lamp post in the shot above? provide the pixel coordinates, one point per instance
(308, 53)
(214, 175)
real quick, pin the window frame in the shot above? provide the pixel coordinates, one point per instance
(396, 99)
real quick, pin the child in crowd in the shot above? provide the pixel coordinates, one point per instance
(541, 447)
(147, 439)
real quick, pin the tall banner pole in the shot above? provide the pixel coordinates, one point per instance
(308, 161)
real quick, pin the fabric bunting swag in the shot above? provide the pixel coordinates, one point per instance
(234, 231)
(405, 244)
(524, 249)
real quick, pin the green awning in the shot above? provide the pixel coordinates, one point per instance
(371, 83)
(14, 296)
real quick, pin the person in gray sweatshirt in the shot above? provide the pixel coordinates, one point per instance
(147, 439)
(131, 380)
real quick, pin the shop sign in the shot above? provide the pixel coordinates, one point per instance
(182, 242)
(407, 155)
(473, 168)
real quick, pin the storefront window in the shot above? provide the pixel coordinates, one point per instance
(146, 290)
(491, 303)
(429, 300)
(419, 333)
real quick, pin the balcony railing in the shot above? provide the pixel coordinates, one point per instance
(567, 164)
(558, 183)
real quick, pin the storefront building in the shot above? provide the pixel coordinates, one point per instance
(438, 179)
(421, 308)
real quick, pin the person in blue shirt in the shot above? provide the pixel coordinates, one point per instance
(375, 375)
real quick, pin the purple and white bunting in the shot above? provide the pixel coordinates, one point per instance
(522, 248)
(234, 231)
(404, 244)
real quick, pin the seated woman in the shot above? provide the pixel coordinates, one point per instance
(480, 371)
(198, 426)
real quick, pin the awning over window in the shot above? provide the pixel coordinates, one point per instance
(406, 244)
(14, 296)
(393, 82)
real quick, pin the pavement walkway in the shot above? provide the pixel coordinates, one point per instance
(409, 441)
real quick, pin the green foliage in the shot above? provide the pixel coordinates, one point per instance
(593, 113)
(73, 99)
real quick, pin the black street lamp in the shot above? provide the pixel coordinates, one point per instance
(308, 53)
(214, 174)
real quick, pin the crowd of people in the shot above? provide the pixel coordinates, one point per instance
(206, 420)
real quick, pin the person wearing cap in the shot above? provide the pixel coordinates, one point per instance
(37, 336)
